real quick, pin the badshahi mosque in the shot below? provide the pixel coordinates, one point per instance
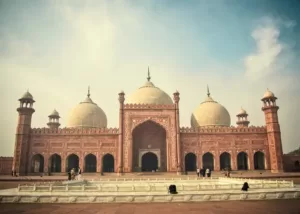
(149, 137)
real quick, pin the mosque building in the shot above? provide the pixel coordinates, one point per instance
(149, 137)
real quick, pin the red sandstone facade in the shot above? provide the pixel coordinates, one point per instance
(5, 165)
(148, 137)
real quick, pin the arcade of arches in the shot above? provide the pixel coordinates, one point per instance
(72, 161)
(225, 161)
(149, 161)
(149, 147)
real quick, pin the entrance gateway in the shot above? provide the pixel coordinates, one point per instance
(149, 160)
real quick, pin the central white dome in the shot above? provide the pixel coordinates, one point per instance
(87, 114)
(149, 94)
(210, 113)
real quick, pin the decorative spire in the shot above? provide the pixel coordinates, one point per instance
(208, 93)
(149, 77)
(89, 92)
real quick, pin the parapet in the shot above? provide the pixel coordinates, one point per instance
(75, 131)
(148, 106)
(218, 129)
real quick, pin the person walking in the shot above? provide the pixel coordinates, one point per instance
(207, 171)
(79, 174)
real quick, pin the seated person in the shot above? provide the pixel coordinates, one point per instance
(245, 187)
(172, 189)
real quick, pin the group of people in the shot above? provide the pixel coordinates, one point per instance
(73, 175)
(203, 172)
(227, 172)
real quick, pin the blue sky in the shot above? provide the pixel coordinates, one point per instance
(238, 47)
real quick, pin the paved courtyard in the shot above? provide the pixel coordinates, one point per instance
(238, 207)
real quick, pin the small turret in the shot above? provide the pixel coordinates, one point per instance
(54, 120)
(242, 119)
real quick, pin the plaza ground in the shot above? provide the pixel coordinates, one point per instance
(237, 207)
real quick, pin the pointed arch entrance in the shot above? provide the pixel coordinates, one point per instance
(208, 161)
(149, 162)
(242, 161)
(259, 160)
(108, 163)
(55, 163)
(37, 163)
(190, 162)
(72, 162)
(225, 161)
(90, 163)
(149, 137)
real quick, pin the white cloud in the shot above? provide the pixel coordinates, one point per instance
(111, 49)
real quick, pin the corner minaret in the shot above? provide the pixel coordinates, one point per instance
(242, 119)
(176, 99)
(54, 120)
(120, 169)
(273, 131)
(21, 156)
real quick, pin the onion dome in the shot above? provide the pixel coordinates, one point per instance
(210, 113)
(149, 94)
(87, 114)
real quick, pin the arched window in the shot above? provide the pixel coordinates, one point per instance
(108, 163)
(72, 162)
(37, 164)
(149, 162)
(55, 163)
(208, 161)
(225, 161)
(259, 160)
(90, 163)
(190, 161)
(242, 161)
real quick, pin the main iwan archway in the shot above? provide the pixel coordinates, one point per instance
(149, 147)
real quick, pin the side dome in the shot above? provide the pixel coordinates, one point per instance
(210, 113)
(149, 94)
(87, 114)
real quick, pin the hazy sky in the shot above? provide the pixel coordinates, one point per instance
(238, 47)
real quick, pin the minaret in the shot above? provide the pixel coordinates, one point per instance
(242, 119)
(121, 131)
(21, 156)
(176, 99)
(54, 120)
(273, 130)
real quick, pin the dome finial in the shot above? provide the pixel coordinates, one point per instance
(89, 92)
(208, 93)
(149, 77)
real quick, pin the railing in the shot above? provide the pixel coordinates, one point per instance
(154, 187)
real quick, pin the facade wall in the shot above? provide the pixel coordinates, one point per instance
(6, 165)
(35, 148)
(79, 142)
(291, 163)
(247, 140)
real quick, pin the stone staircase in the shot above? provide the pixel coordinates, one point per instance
(149, 189)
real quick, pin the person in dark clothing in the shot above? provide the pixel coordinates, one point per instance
(245, 187)
(69, 176)
(203, 173)
(172, 189)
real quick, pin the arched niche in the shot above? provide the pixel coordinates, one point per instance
(149, 136)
